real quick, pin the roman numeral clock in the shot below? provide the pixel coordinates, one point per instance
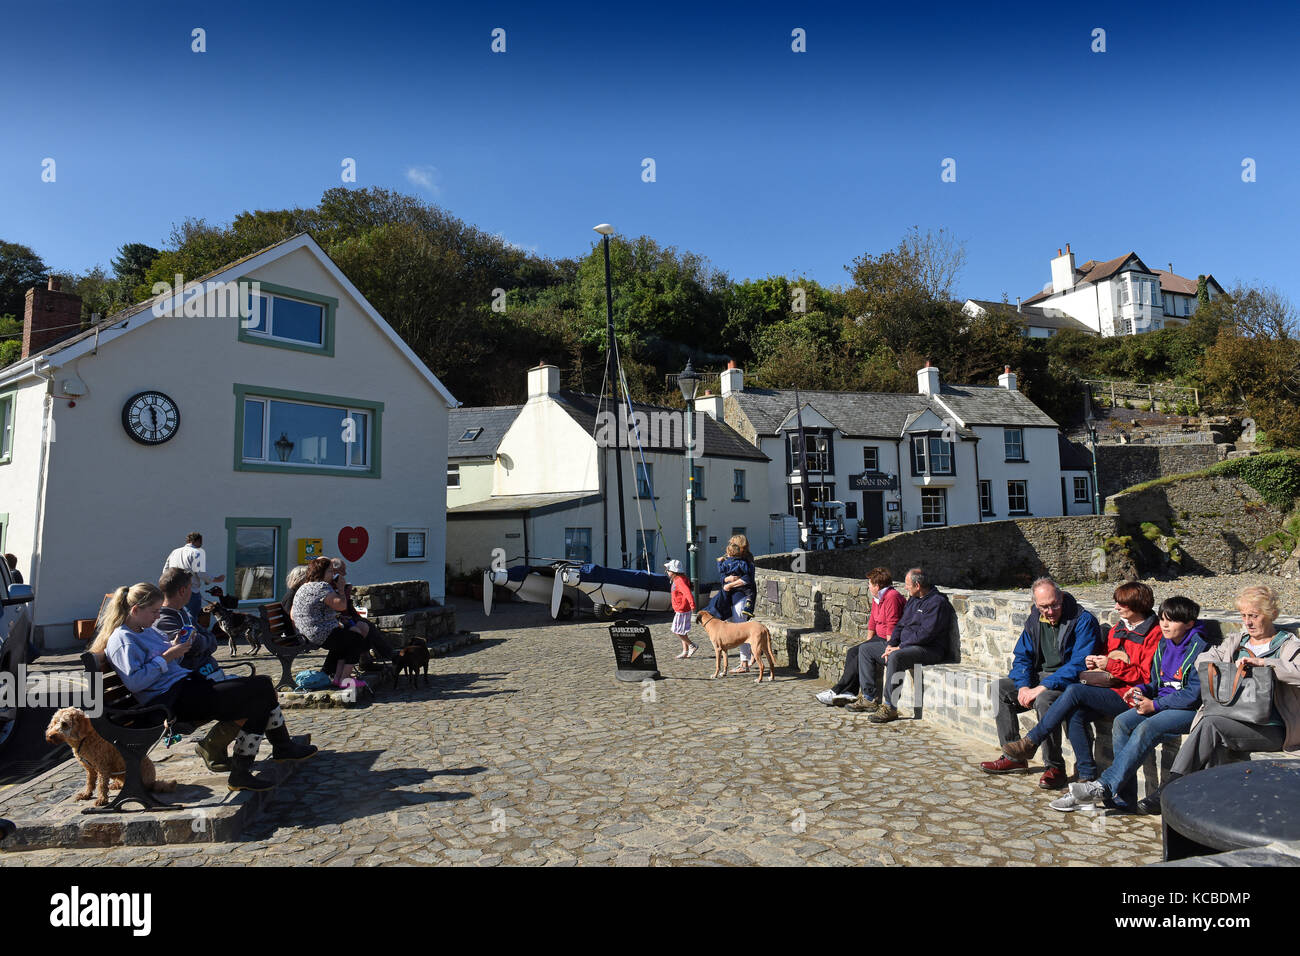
(151, 418)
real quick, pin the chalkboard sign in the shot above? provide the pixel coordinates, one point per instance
(634, 651)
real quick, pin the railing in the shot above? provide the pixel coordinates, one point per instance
(1151, 393)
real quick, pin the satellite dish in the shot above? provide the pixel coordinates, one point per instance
(557, 593)
(487, 593)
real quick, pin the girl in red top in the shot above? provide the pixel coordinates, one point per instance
(683, 605)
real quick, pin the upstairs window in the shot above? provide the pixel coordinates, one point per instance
(931, 455)
(1013, 440)
(289, 318)
(738, 484)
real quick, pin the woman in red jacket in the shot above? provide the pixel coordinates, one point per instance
(1103, 691)
(683, 605)
(886, 609)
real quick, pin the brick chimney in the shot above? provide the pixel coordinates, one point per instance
(49, 316)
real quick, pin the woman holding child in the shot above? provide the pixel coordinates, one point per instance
(734, 601)
(149, 664)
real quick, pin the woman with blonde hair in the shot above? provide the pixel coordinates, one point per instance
(734, 601)
(149, 665)
(1217, 739)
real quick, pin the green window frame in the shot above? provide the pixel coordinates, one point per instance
(375, 427)
(329, 303)
(8, 412)
(282, 526)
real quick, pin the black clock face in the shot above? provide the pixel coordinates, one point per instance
(150, 418)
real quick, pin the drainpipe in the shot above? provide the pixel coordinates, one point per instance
(979, 504)
(43, 469)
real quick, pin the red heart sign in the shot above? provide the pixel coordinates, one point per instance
(353, 543)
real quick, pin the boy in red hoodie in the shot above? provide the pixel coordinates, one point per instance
(683, 605)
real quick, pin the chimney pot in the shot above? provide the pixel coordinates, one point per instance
(1058, 252)
(55, 283)
(1067, 247)
(731, 363)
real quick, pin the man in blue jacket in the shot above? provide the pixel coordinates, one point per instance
(920, 637)
(1051, 654)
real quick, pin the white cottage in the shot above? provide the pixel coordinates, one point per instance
(306, 420)
(536, 481)
(950, 454)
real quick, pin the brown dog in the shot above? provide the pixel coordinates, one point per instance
(100, 758)
(725, 636)
(413, 658)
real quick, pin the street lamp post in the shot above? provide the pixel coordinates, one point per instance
(1091, 422)
(689, 382)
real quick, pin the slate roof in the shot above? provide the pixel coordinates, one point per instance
(887, 414)
(1074, 455)
(1094, 271)
(510, 504)
(720, 440)
(1038, 318)
(495, 420)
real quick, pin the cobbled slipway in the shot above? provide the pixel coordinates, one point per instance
(524, 749)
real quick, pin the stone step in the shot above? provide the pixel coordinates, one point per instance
(47, 815)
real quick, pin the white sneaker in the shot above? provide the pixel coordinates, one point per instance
(1091, 792)
(826, 697)
(1066, 804)
(842, 699)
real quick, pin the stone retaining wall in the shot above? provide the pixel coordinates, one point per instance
(1205, 524)
(990, 554)
(402, 609)
(1122, 466)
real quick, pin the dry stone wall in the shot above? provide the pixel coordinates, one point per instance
(1123, 466)
(992, 554)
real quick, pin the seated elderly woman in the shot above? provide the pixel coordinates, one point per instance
(317, 609)
(150, 666)
(1216, 740)
(1104, 686)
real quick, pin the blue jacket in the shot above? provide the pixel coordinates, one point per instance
(1080, 636)
(1189, 696)
(926, 622)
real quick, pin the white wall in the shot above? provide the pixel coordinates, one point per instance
(20, 477)
(115, 508)
(543, 451)
(476, 479)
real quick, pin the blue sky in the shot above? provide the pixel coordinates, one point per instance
(767, 161)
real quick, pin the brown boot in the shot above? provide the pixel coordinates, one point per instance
(1022, 749)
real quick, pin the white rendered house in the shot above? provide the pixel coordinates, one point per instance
(551, 474)
(1120, 296)
(949, 454)
(306, 419)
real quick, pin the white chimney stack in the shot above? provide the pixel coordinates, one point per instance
(1063, 270)
(733, 379)
(927, 380)
(543, 380)
(710, 405)
(1007, 379)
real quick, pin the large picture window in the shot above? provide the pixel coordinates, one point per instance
(289, 318)
(278, 430)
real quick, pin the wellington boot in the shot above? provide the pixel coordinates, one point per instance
(212, 748)
(243, 778)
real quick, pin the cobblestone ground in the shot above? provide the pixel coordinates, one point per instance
(523, 749)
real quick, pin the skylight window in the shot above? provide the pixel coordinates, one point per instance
(471, 434)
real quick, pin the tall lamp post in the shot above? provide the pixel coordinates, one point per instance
(606, 230)
(1091, 422)
(689, 382)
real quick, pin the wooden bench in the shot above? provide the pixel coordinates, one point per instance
(133, 729)
(282, 639)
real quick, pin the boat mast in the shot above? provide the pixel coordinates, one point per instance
(612, 373)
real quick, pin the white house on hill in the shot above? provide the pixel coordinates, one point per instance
(1120, 296)
(949, 454)
(306, 419)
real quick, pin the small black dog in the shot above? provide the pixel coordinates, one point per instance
(229, 622)
(414, 659)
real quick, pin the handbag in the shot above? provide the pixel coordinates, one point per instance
(1099, 678)
(1244, 694)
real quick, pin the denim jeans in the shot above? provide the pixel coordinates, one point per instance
(1077, 708)
(1134, 736)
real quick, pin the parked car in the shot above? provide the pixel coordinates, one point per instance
(15, 641)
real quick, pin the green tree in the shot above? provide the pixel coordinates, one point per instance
(20, 269)
(132, 263)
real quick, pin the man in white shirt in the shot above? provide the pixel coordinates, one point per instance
(192, 558)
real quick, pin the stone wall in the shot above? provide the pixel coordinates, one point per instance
(1205, 524)
(392, 597)
(993, 554)
(402, 610)
(1122, 466)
